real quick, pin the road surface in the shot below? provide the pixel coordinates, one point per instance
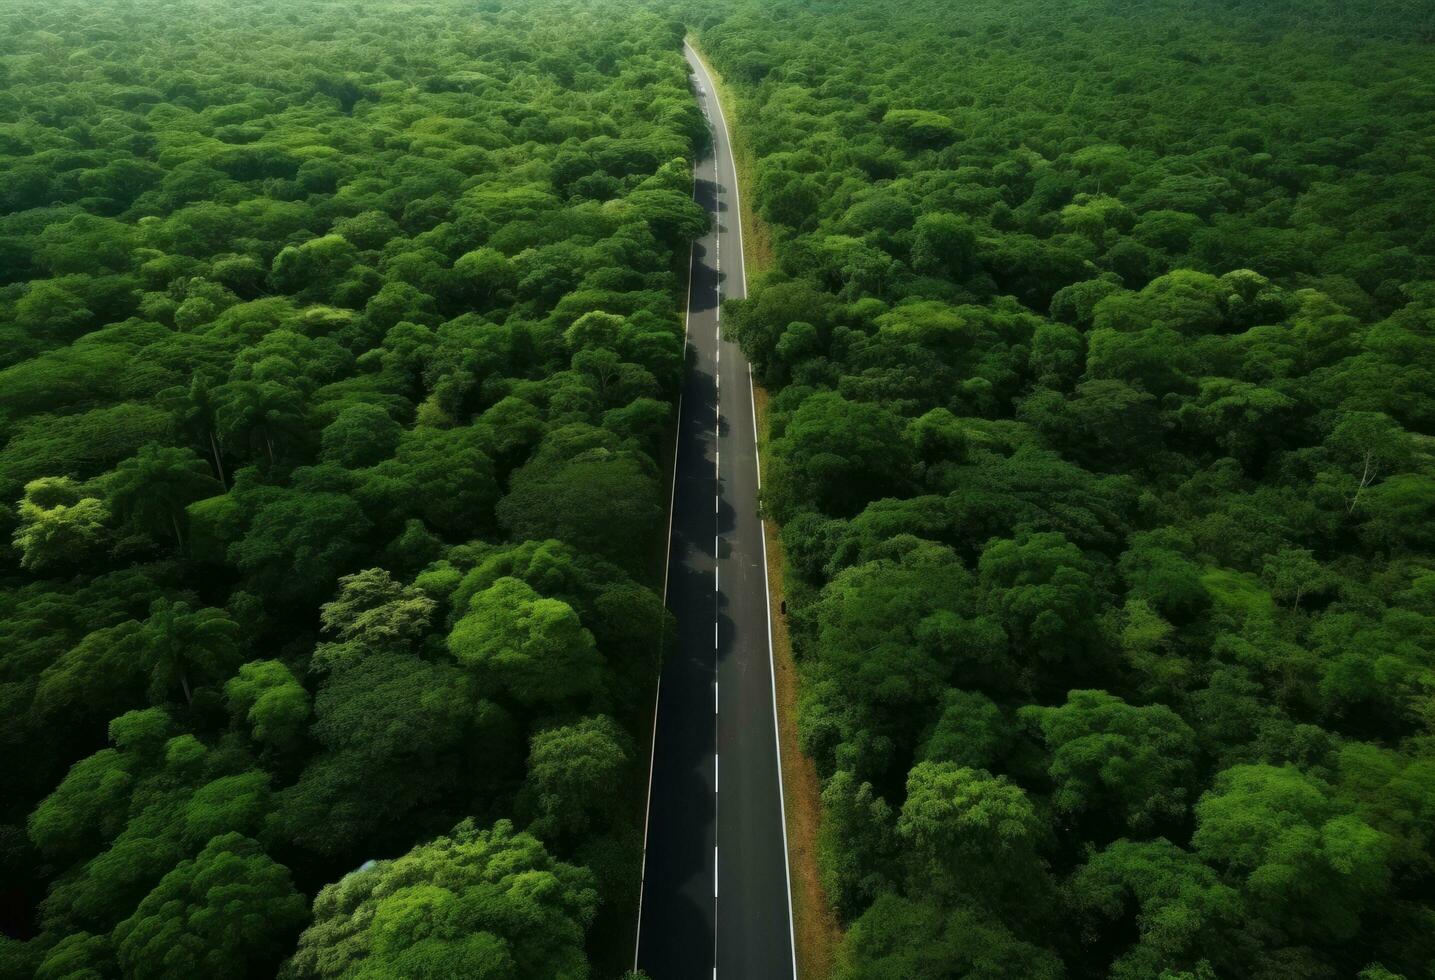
(715, 881)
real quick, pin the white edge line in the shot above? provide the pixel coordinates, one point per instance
(736, 185)
(667, 565)
(762, 524)
(756, 453)
(776, 730)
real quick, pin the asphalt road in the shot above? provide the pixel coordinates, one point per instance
(715, 880)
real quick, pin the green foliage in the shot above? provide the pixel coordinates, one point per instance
(598, 499)
(317, 328)
(1185, 916)
(183, 646)
(57, 528)
(372, 613)
(856, 843)
(966, 825)
(899, 938)
(1302, 853)
(527, 647)
(154, 487)
(215, 915)
(1043, 591)
(578, 773)
(298, 544)
(474, 903)
(361, 434)
(266, 696)
(838, 456)
(1105, 754)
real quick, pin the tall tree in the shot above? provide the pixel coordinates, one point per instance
(154, 487)
(187, 646)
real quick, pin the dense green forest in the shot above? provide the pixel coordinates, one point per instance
(1103, 343)
(337, 346)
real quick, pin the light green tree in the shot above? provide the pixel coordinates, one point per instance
(58, 527)
(486, 904)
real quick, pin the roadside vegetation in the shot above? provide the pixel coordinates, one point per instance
(1100, 343)
(337, 343)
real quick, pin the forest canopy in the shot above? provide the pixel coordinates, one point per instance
(338, 353)
(319, 325)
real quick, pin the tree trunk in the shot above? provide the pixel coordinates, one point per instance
(1366, 478)
(218, 464)
(184, 683)
(174, 522)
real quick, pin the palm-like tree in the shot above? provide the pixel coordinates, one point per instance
(259, 412)
(182, 643)
(154, 486)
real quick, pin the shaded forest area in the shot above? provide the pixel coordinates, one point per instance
(1102, 337)
(337, 352)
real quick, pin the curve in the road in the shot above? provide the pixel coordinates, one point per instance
(715, 850)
